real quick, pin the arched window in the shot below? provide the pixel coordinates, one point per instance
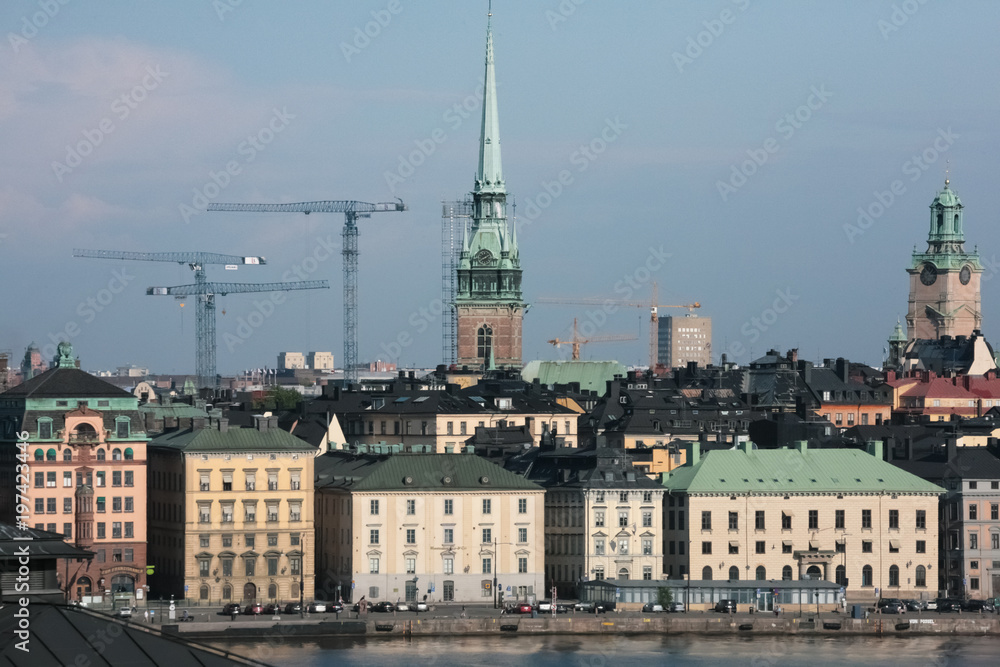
(706, 574)
(814, 573)
(67, 455)
(734, 573)
(921, 576)
(761, 573)
(50, 455)
(894, 576)
(866, 575)
(841, 575)
(39, 455)
(100, 454)
(227, 592)
(203, 593)
(272, 591)
(484, 342)
(128, 454)
(786, 573)
(116, 454)
(623, 574)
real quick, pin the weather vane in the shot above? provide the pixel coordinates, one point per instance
(947, 167)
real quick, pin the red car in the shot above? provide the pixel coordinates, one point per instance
(524, 608)
(255, 608)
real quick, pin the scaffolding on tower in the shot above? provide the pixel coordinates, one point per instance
(455, 217)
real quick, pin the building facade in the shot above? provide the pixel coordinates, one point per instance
(488, 302)
(437, 527)
(320, 361)
(683, 340)
(291, 360)
(944, 280)
(844, 516)
(231, 513)
(86, 447)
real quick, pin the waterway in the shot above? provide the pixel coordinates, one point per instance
(622, 651)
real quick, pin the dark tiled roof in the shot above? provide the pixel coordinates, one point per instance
(66, 383)
(40, 543)
(415, 471)
(235, 439)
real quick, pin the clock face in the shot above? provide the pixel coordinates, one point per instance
(928, 275)
(965, 275)
(484, 256)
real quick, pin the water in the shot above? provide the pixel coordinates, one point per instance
(621, 651)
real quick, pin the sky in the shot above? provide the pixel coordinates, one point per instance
(773, 161)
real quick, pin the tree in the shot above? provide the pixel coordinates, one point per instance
(664, 596)
(279, 398)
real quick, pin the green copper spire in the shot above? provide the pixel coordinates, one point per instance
(946, 238)
(489, 178)
(898, 335)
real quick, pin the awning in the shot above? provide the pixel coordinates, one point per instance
(893, 544)
(814, 544)
(787, 543)
(734, 543)
(787, 513)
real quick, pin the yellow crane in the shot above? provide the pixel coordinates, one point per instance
(651, 304)
(577, 340)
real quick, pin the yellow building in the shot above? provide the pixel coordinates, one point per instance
(231, 513)
(451, 527)
(841, 515)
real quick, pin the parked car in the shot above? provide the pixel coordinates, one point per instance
(587, 607)
(891, 606)
(545, 607)
(726, 606)
(675, 607)
(652, 607)
(254, 608)
(605, 607)
(930, 605)
(419, 606)
(271, 609)
(383, 607)
(293, 608)
(523, 608)
(316, 607)
(948, 605)
(232, 608)
(334, 607)
(978, 606)
(124, 612)
(915, 605)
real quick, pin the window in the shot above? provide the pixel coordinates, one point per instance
(786, 521)
(921, 576)
(204, 541)
(600, 497)
(893, 547)
(204, 514)
(706, 521)
(373, 507)
(758, 520)
(599, 546)
(50, 505)
(116, 454)
(449, 535)
(272, 482)
(973, 540)
(866, 576)
(294, 510)
(866, 546)
(761, 548)
(116, 478)
(893, 519)
(994, 512)
(623, 496)
(734, 521)
(786, 547)
(995, 544)
(50, 479)
(100, 504)
(487, 535)
(39, 505)
(840, 547)
(487, 506)
(101, 481)
(599, 518)
(39, 479)
(813, 519)
(272, 511)
(100, 531)
(973, 511)
(250, 511)
(67, 505)
(647, 519)
(411, 565)
(974, 583)
(866, 519)
(734, 547)
(116, 530)
(734, 573)
(67, 478)
(921, 519)
(921, 547)
(487, 565)
(449, 506)
(373, 564)
(706, 547)
(295, 565)
(647, 547)
(522, 565)
(522, 535)
(894, 576)
(522, 505)
(623, 519)
(373, 536)
(411, 536)
(449, 566)
(116, 504)
(411, 507)
(839, 520)
(227, 567)
(227, 512)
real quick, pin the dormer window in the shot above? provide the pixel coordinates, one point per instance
(122, 427)
(44, 428)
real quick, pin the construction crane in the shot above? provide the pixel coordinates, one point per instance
(577, 340)
(652, 305)
(352, 210)
(206, 293)
(205, 339)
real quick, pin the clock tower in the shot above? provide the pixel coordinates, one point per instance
(488, 299)
(944, 280)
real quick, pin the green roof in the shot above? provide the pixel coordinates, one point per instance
(403, 471)
(777, 471)
(233, 440)
(592, 375)
(180, 410)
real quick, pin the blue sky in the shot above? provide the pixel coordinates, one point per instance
(829, 102)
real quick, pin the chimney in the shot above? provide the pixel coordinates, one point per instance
(874, 448)
(843, 369)
(952, 448)
(223, 423)
(693, 453)
(793, 355)
(802, 446)
(260, 422)
(272, 422)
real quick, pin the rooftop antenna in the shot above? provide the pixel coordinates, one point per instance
(947, 168)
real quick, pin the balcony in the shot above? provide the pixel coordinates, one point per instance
(84, 438)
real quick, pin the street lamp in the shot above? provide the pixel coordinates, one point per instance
(302, 586)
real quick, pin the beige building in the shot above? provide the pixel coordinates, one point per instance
(231, 513)
(683, 340)
(451, 527)
(320, 361)
(291, 360)
(839, 515)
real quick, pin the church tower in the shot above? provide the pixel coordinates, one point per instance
(488, 299)
(944, 280)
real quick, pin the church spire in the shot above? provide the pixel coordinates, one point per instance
(489, 178)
